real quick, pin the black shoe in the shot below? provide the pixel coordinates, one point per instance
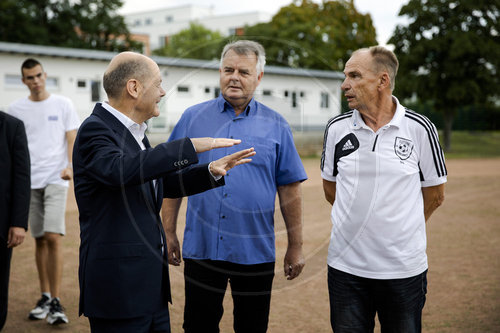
(56, 313)
(41, 309)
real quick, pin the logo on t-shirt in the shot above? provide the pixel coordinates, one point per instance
(403, 147)
(346, 146)
(53, 118)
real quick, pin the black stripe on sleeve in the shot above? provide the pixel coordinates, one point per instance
(437, 152)
(325, 137)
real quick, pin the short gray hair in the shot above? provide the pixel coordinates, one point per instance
(115, 80)
(246, 47)
(384, 59)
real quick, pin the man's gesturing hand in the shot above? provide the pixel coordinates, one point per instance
(205, 144)
(221, 166)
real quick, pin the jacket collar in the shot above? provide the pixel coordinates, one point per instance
(127, 139)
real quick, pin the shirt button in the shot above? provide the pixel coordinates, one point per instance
(223, 216)
(231, 136)
(221, 237)
(225, 195)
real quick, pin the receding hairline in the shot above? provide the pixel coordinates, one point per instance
(127, 66)
(124, 57)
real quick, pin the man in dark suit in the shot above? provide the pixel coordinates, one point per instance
(15, 187)
(120, 182)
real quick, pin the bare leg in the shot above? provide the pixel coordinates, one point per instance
(54, 262)
(41, 257)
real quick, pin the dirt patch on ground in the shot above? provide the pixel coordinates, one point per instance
(463, 249)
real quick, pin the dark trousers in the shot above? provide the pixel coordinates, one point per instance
(355, 300)
(5, 256)
(205, 286)
(158, 322)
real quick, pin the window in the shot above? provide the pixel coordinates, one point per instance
(169, 19)
(302, 94)
(216, 92)
(286, 93)
(183, 89)
(294, 99)
(13, 80)
(207, 90)
(267, 92)
(95, 87)
(325, 100)
(137, 23)
(52, 83)
(81, 83)
(148, 21)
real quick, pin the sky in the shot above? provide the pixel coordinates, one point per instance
(384, 13)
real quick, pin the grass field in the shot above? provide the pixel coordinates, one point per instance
(474, 144)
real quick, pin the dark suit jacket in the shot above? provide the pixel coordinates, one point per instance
(123, 272)
(15, 183)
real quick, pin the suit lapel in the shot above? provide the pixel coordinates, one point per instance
(126, 140)
(156, 195)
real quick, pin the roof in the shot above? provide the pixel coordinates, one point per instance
(64, 52)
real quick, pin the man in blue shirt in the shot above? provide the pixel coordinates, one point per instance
(229, 233)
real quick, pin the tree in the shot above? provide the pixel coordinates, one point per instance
(449, 54)
(310, 35)
(91, 24)
(195, 42)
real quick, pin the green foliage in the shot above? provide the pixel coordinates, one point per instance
(310, 35)
(195, 42)
(467, 118)
(91, 24)
(449, 54)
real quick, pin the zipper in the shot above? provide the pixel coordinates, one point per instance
(375, 143)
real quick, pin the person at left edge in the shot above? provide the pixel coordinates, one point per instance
(120, 182)
(15, 187)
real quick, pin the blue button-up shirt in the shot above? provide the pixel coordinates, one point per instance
(235, 222)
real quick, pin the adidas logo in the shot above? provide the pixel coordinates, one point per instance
(347, 146)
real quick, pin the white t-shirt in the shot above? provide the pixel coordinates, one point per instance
(378, 217)
(46, 125)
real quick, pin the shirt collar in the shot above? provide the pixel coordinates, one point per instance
(357, 121)
(136, 129)
(224, 105)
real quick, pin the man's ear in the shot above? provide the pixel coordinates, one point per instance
(384, 81)
(133, 88)
(259, 78)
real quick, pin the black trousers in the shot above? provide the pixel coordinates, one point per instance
(5, 256)
(205, 286)
(354, 301)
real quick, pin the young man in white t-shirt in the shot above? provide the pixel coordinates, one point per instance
(51, 123)
(383, 171)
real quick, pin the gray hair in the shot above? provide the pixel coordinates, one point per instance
(246, 47)
(115, 80)
(384, 59)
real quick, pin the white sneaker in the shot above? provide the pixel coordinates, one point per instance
(41, 309)
(56, 313)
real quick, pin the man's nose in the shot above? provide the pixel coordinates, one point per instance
(234, 76)
(344, 85)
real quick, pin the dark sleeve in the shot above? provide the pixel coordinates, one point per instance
(189, 181)
(21, 182)
(102, 156)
